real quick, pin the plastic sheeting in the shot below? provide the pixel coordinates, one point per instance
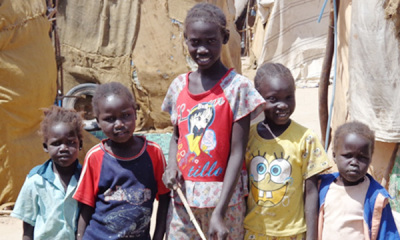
(374, 60)
(294, 38)
(138, 43)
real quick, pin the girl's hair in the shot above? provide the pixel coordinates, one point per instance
(271, 70)
(111, 88)
(354, 127)
(55, 114)
(207, 12)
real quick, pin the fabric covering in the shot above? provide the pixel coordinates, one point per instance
(294, 37)
(137, 43)
(27, 83)
(374, 91)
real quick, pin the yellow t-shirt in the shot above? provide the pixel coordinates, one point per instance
(277, 170)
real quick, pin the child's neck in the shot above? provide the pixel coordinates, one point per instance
(271, 131)
(64, 173)
(205, 79)
(128, 149)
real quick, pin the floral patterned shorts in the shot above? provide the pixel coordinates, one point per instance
(179, 226)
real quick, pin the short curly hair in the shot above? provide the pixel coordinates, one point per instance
(207, 12)
(111, 88)
(271, 70)
(55, 114)
(354, 127)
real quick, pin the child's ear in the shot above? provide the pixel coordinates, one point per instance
(80, 144)
(226, 36)
(45, 147)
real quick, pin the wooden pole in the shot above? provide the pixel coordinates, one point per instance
(325, 75)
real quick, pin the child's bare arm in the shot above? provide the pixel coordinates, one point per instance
(162, 211)
(28, 231)
(311, 207)
(84, 217)
(240, 132)
(172, 174)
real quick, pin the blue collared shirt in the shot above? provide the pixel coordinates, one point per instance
(44, 204)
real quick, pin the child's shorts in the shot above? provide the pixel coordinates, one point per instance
(259, 236)
(179, 226)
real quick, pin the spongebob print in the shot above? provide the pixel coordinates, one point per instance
(269, 180)
(200, 138)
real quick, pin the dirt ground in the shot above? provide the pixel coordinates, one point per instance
(306, 113)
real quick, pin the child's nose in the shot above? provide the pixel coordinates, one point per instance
(282, 105)
(202, 49)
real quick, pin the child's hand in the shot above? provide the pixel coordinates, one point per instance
(217, 229)
(171, 177)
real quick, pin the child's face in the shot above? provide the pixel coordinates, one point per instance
(279, 93)
(352, 156)
(117, 118)
(62, 144)
(204, 41)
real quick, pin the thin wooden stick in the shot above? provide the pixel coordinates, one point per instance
(192, 218)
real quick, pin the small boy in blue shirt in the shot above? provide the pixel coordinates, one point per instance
(45, 203)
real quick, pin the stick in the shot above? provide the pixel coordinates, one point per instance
(192, 218)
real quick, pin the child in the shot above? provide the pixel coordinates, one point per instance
(352, 204)
(283, 159)
(121, 175)
(45, 203)
(210, 110)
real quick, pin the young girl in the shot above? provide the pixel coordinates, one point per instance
(352, 204)
(210, 110)
(45, 203)
(121, 175)
(282, 156)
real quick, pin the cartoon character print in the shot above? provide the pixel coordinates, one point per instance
(269, 180)
(200, 138)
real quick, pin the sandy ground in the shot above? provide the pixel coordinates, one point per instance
(306, 113)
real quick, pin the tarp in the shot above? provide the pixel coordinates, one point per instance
(294, 38)
(138, 43)
(374, 53)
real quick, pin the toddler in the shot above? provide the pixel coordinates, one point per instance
(210, 110)
(121, 176)
(283, 159)
(352, 204)
(45, 203)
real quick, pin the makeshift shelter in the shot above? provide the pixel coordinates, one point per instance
(138, 43)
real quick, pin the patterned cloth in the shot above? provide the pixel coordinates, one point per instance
(277, 170)
(121, 191)
(44, 204)
(181, 228)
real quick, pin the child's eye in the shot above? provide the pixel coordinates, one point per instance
(71, 142)
(271, 99)
(126, 115)
(109, 119)
(194, 42)
(212, 41)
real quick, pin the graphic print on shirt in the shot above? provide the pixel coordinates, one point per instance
(135, 216)
(269, 180)
(200, 138)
